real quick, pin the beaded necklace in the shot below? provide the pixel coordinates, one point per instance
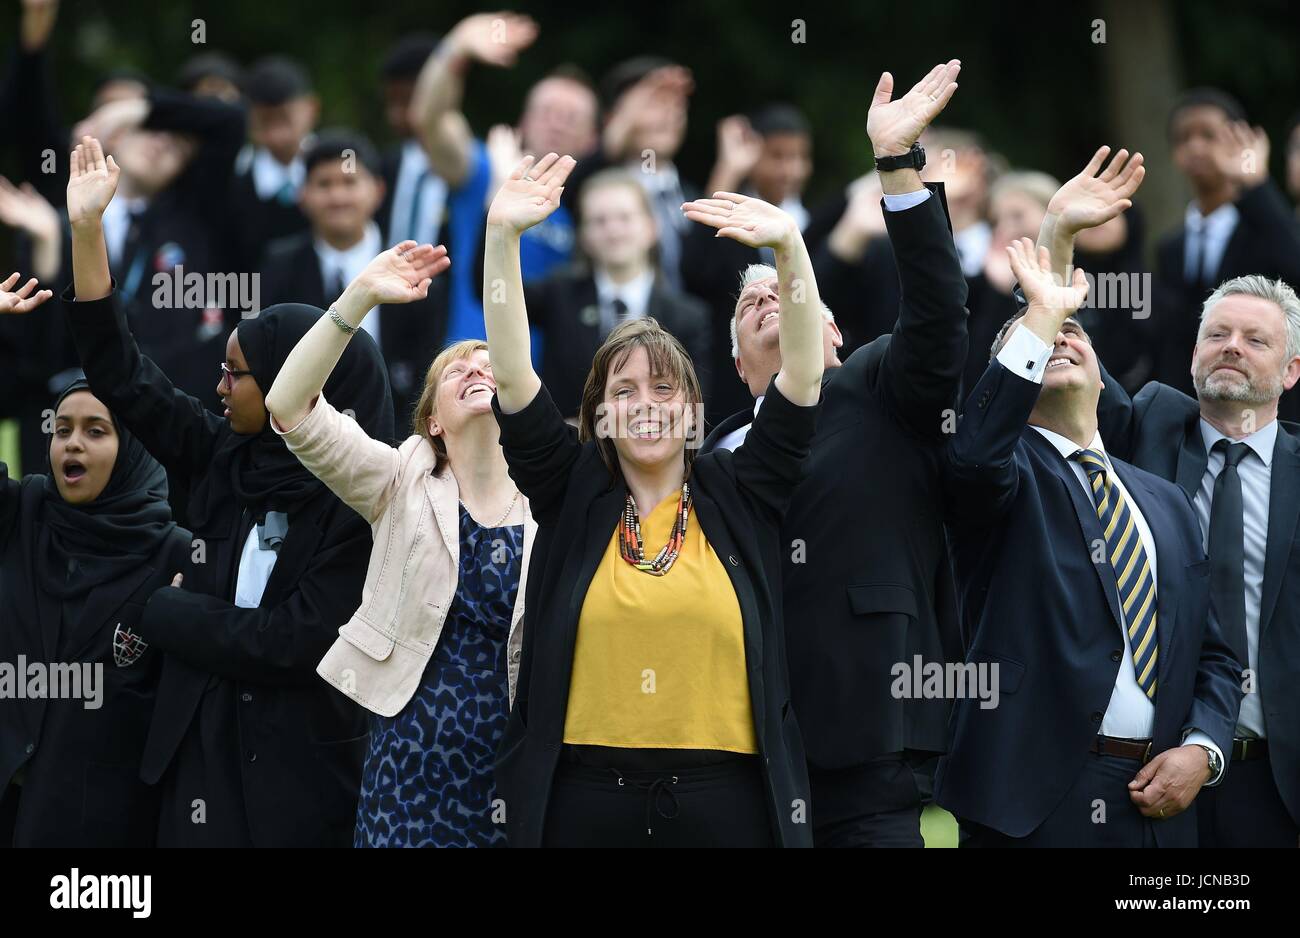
(629, 536)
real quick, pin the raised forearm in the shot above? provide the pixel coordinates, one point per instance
(802, 351)
(506, 320)
(1059, 242)
(435, 112)
(91, 279)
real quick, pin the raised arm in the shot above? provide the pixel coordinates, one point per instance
(1101, 192)
(490, 38)
(176, 428)
(757, 224)
(360, 470)
(529, 196)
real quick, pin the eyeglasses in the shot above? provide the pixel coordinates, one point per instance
(228, 375)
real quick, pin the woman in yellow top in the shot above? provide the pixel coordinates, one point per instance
(653, 704)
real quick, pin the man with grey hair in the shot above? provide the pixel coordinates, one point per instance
(1240, 466)
(866, 580)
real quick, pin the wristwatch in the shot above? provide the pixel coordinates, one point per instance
(1215, 763)
(912, 159)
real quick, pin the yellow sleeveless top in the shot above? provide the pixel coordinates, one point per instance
(660, 660)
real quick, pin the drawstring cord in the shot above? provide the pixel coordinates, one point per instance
(653, 790)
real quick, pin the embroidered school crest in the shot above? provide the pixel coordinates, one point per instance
(127, 647)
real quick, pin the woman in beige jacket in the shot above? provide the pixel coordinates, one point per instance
(433, 651)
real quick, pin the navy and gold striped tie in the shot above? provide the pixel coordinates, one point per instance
(1128, 558)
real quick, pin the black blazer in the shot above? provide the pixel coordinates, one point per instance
(1266, 241)
(1035, 605)
(739, 499)
(564, 307)
(871, 587)
(244, 677)
(81, 766)
(1159, 429)
(410, 334)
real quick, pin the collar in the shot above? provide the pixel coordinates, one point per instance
(1261, 441)
(635, 293)
(758, 402)
(663, 179)
(354, 259)
(1067, 447)
(270, 175)
(1221, 219)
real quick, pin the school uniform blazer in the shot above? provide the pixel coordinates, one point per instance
(739, 500)
(1036, 606)
(250, 672)
(381, 652)
(81, 766)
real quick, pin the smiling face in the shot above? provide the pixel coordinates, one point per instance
(245, 406)
(559, 117)
(645, 413)
(464, 393)
(758, 337)
(1241, 353)
(83, 449)
(1073, 365)
(617, 230)
(338, 203)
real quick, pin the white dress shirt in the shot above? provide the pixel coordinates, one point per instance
(255, 566)
(116, 221)
(635, 295)
(1130, 713)
(345, 265)
(1256, 474)
(1206, 239)
(736, 437)
(270, 176)
(973, 246)
(419, 198)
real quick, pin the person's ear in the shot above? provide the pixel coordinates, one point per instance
(837, 337)
(1292, 373)
(435, 429)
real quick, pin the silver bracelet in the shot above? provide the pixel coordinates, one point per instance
(340, 321)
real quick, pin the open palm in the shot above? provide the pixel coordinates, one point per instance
(403, 272)
(92, 180)
(531, 193)
(894, 126)
(750, 221)
(22, 300)
(1043, 289)
(1090, 200)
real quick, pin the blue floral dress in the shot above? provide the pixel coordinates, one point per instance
(428, 775)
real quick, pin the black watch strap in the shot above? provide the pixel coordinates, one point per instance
(912, 159)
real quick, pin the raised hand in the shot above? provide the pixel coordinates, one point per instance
(493, 38)
(1044, 290)
(660, 92)
(750, 221)
(894, 126)
(402, 274)
(1241, 152)
(531, 193)
(21, 300)
(110, 119)
(1090, 200)
(37, 23)
(92, 180)
(25, 209)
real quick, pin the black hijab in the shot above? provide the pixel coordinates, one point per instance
(109, 540)
(257, 469)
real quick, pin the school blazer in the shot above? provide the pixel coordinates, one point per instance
(413, 512)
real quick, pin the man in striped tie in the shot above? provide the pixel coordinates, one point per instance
(1084, 591)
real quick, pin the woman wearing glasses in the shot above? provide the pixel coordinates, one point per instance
(248, 745)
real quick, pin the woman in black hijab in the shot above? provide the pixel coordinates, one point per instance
(249, 745)
(81, 549)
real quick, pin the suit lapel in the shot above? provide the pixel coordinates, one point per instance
(731, 424)
(1192, 457)
(1283, 511)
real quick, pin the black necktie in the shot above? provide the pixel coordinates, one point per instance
(620, 311)
(336, 287)
(1227, 549)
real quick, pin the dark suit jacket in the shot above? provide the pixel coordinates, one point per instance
(410, 334)
(1159, 430)
(241, 682)
(1036, 606)
(564, 307)
(872, 587)
(739, 499)
(1266, 241)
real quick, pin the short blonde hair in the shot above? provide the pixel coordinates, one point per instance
(428, 404)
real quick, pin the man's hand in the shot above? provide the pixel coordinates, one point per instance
(1167, 784)
(401, 274)
(38, 23)
(1242, 154)
(92, 180)
(664, 88)
(24, 208)
(1090, 200)
(1051, 302)
(739, 148)
(531, 193)
(493, 38)
(894, 126)
(862, 222)
(21, 300)
(750, 221)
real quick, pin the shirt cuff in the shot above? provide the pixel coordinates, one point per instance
(1195, 737)
(906, 200)
(1026, 355)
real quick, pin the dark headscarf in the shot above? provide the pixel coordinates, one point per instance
(257, 469)
(109, 540)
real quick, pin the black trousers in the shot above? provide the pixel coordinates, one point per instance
(720, 805)
(1245, 810)
(877, 804)
(1075, 822)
